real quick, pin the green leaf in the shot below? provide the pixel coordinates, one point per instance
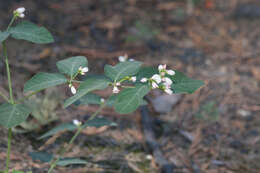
(3, 36)
(13, 114)
(96, 122)
(60, 128)
(71, 161)
(87, 86)
(44, 80)
(31, 32)
(41, 156)
(99, 122)
(130, 99)
(89, 98)
(71, 65)
(184, 84)
(112, 99)
(123, 69)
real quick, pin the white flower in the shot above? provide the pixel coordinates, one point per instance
(123, 58)
(133, 78)
(131, 59)
(72, 89)
(21, 15)
(154, 85)
(115, 90)
(102, 100)
(149, 157)
(156, 78)
(162, 67)
(143, 80)
(168, 81)
(168, 91)
(83, 70)
(77, 122)
(118, 84)
(19, 12)
(170, 72)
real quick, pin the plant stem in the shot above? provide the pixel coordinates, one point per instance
(8, 149)
(10, 24)
(80, 128)
(8, 73)
(11, 96)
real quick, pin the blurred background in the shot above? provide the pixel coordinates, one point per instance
(214, 130)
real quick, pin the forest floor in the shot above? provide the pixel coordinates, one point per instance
(214, 130)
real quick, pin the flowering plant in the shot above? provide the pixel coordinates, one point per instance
(129, 82)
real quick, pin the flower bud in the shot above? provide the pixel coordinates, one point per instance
(143, 80)
(115, 90)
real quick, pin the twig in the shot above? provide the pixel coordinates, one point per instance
(152, 143)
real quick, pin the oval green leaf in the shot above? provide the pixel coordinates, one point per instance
(44, 80)
(184, 84)
(123, 69)
(71, 65)
(30, 32)
(130, 99)
(13, 114)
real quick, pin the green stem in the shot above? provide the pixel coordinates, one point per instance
(80, 128)
(8, 149)
(11, 96)
(8, 74)
(10, 24)
(4, 97)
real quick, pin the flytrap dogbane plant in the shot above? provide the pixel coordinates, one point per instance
(128, 80)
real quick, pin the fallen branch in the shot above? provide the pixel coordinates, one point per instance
(152, 144)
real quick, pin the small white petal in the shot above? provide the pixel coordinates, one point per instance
(115, 90)
(131, 59)
(170, 72)
(154, 85)
(118, 84)
(143, 80)
(102, 100)
(73, 90)
(20, 10)
(168, 91)
(122, 58)
(149, 157)
(160, 67)
(133, 78)
(168, 81)
(85, 69)
(77, 122)
(157, 78)
(21, 15)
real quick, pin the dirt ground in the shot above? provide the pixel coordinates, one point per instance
(214, 130)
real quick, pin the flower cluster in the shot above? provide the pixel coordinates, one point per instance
(161, 78)
(82, 71)
(19, 12)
